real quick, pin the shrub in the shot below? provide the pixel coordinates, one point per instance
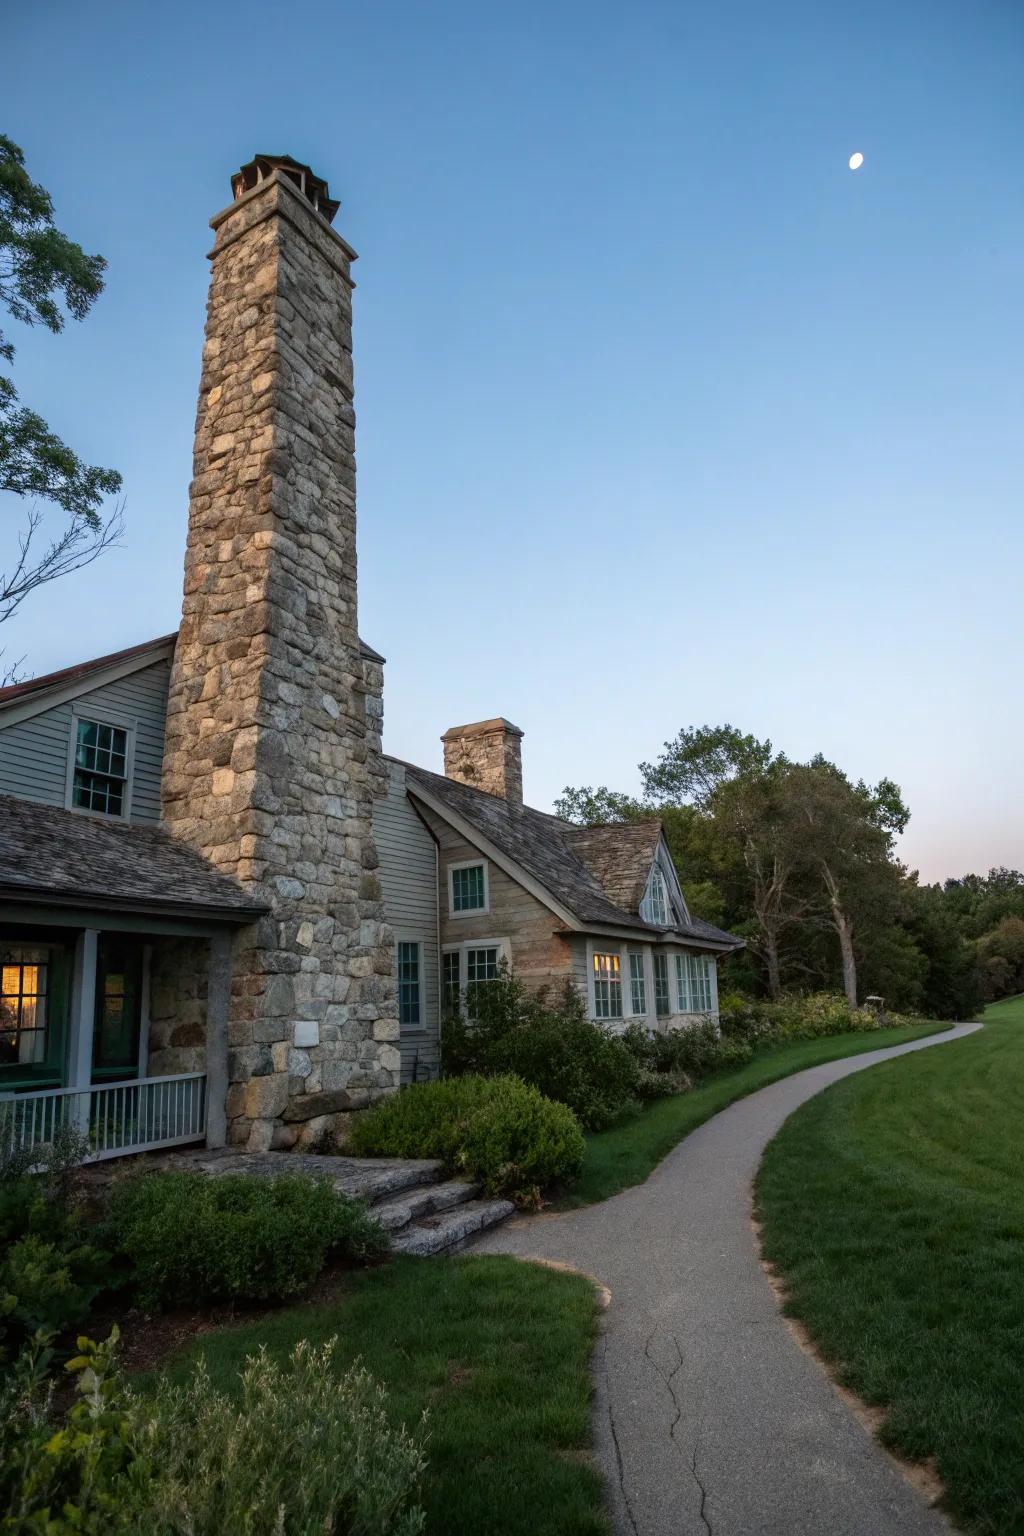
(194, 1239)
(680, 1055)
(498, 1131)
(193, 1462)
(556, 1048)
(51, 1266)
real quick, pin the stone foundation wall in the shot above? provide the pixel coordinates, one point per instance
(178, 971)
(273, 746)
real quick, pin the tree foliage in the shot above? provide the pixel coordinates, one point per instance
(44, 276)
(800, 860)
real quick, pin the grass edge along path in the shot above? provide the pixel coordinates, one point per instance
(496, 1350)
(626, 1154)
(892, 1211)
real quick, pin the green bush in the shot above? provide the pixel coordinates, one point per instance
(191, 1239)
(679, 1056)
(498, 1131)
(52, 1266)
(556, 1048)
(798, 1017)
(190, 1461)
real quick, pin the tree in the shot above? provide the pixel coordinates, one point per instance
(42, 275)
(846, 833)
(699, 761)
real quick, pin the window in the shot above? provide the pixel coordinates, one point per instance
(607, 987)
(662, 1006)
(637, 983)
(407, 964)
(24, 985)
(481, 967)
(100, 778)
(656, 907)
(452, 985)
(693, 979)
(467, 968)
(118, 1005)
(468, 888)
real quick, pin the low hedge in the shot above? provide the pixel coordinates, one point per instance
(498, 1131)
(192, 1239)
(799, 1017)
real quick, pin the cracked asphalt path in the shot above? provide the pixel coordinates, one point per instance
(710, 1420)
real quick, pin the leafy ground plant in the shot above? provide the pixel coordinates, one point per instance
(626, 1154)
(893, 1210)
(193, 1240)
(498, 1353)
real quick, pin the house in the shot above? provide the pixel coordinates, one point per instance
(224, 912)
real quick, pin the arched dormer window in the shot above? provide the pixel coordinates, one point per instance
(655, 907)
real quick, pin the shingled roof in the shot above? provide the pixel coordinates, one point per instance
(598, 873)
(48, 853)
(83, 669)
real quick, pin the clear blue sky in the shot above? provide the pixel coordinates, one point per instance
(665, 416)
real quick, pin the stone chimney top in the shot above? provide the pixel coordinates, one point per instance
(312, 187)
(487, 756)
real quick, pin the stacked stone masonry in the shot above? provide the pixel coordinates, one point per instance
(273, 727)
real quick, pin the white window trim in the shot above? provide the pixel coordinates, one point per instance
(616, 947)
(503, 946)
(677, 909)
(102, 717)
(711, 967)
(473, 911)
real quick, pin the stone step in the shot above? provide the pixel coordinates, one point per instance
(424, 1201)
(449, 1229)
(373, 1179)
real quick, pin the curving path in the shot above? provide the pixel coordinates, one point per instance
(710, 1419)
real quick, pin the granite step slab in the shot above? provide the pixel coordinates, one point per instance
(394, 1214)
(373, 1179)
(447, 1230)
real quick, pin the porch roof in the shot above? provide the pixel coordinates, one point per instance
(55, 856)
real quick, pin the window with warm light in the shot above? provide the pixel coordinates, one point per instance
(24, 980)
(607, 986)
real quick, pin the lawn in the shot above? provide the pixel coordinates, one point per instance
(496, 1351)
(626, 1154)
(893, 1209)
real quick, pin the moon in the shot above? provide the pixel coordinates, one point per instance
(856, 161)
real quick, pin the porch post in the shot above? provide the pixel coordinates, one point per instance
(218, 1002)
(82, 1022)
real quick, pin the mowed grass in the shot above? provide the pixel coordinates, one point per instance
(626, 1154)
(893, 1209)
(496, 1351)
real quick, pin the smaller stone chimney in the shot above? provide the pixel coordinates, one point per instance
(487, 756)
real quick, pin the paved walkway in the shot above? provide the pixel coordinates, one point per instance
(710, 1419)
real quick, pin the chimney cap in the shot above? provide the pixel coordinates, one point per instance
(313, 187)
(482, 728)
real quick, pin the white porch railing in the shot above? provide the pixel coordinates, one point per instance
(134, 1116)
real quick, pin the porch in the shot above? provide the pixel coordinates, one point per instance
(115, 984)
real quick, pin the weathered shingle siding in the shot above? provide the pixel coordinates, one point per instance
(408, 870)
(34, 752)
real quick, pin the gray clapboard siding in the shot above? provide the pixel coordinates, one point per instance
(408, 872)
(34, 752)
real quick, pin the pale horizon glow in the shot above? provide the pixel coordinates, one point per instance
(629, 457)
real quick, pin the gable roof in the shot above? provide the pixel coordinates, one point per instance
(592, 873)
(146, 653)
(51, 854)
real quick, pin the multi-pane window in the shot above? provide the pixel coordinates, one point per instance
(450, 981)
(408, 966)
(655, 907)
(481, 967)
(693, 978)
(607, 987)
(118, 1004)
(469, 888)
(637, 983)
(101, 768)
(662, 1005)
(24, 981)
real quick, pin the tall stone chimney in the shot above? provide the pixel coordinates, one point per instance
(488, 756)
(271, 760)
